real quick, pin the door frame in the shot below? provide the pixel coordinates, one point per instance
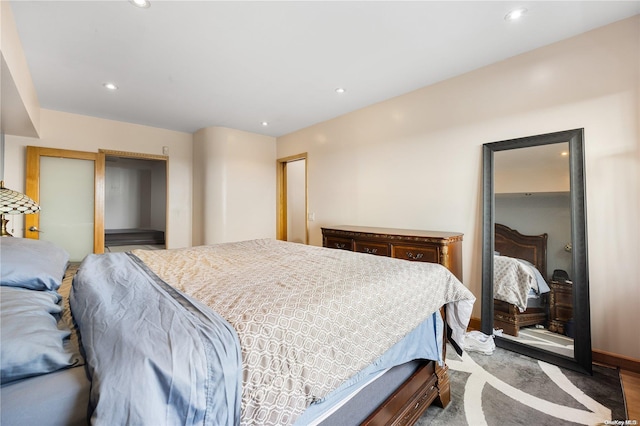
(32, 189)
(141, 156)
(281, 195)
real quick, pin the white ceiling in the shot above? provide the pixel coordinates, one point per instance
(186, 65)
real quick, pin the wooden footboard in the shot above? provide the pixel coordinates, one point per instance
(405, 406)
(428, 384)
(532, 248)
(509, 318)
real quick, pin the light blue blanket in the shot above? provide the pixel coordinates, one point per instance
(155, 356)
(424, 342)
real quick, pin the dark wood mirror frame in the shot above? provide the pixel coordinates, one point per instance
(582, 318)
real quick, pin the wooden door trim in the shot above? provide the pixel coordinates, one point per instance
(139, 155)
(281, 195)
(32, 188)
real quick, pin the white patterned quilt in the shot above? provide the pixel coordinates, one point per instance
(307, 317)
(512, 281)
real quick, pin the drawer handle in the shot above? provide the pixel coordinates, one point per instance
(370, 251)
(340, 245)
(414, 256)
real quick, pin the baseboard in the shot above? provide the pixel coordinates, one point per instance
(598, 356)
(615, 360)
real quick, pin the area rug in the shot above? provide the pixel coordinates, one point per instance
(507, 388)
(544, 339)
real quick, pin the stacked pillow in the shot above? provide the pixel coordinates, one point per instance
(33, 338)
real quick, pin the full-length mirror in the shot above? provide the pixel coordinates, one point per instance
(535, 286)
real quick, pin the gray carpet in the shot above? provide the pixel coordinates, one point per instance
(544, 339)
(507, 388)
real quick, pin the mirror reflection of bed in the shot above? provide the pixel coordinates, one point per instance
(530, 306)
(535, 185)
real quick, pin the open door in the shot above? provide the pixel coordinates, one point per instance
(292, 220)
(136, 200)
(69, 187)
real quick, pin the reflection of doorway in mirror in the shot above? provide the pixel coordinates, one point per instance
(532, 196)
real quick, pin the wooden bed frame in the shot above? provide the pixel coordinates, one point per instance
(429, 384)
(532, 248)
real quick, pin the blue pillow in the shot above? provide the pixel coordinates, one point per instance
(31, 264)
(32, 344)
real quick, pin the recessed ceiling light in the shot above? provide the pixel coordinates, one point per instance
(515, 14)
(110, 86)
(140, 3)
(340, 90)
(564, 153)
(264, 123)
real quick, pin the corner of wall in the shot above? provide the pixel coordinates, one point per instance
(20, 108)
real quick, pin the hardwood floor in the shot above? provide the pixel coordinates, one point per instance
(631, 386)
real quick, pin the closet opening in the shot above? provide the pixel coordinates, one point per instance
(135, 208)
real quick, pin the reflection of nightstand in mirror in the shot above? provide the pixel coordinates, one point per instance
(560, 305)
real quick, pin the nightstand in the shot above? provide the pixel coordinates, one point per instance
(560, 305)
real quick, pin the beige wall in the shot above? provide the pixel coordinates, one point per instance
(234, 186)
(415, 161)
(20, 109)
(82, 133)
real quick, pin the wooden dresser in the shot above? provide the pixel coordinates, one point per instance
(422, 246)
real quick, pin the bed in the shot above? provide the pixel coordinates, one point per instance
(261, 332)
(520, 265)
(43, 379)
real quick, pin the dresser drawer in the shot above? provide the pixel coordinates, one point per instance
(563, 298)
(563, 313)
(420, 254)
(379, 249)
(339, 243)
(422, 246)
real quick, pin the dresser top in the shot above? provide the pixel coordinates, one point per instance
(395, 231)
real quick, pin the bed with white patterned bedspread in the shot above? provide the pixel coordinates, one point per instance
(514, 279)
(306, 318)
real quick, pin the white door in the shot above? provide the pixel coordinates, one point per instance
(69, 186)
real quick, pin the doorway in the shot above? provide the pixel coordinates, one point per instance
(69, 186)
(292, 224)
(135, 209)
